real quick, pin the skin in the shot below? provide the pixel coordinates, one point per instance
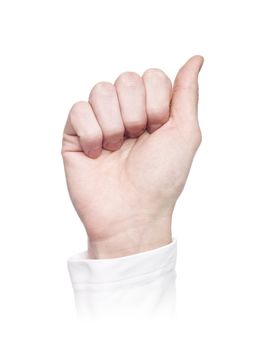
(127, 153)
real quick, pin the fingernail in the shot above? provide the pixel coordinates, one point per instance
(153, 127)
(135, 134)
(201, 65)
(113, 145)
(94, 153)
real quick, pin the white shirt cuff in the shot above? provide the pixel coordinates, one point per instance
(145, 279)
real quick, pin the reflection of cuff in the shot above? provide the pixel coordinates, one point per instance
(144, 267)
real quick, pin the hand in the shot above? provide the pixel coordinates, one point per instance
(127, 154)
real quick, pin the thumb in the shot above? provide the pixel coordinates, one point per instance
(185, 92)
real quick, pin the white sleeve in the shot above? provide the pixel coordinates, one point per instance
(141, 285)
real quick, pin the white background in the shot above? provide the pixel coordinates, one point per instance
(52, 53)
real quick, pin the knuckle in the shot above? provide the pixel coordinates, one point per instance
(78, 108)
(197, 136)
(190, 132)
(128, 79)
(156, 74)
(102, 88)
(77, 111)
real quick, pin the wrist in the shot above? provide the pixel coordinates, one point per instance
(129, 240)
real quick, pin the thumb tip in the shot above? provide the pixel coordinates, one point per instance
(188, 73)
(198, 60)
(194, 64)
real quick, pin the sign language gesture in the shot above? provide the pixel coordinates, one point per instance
(127, 152)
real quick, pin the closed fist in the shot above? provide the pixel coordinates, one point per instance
(127, 152)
